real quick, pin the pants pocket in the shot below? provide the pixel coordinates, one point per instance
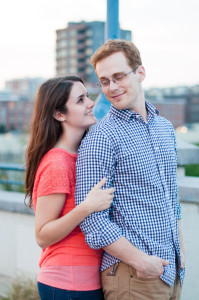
(109, 285)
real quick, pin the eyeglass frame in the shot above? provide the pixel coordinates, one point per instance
(115, 80)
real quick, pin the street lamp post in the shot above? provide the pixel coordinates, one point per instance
(112, 32)
(112, 20)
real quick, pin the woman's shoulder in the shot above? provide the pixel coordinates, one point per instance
(54, 173)
(58, 155)
(56, 159)
(60, 152)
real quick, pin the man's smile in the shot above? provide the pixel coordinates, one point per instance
(118, 95)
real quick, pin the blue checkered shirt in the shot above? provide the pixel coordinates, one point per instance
(139, 159)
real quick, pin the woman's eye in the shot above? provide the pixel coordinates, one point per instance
(80, 100)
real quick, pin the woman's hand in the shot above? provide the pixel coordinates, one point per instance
(99, 199)
(50, 229)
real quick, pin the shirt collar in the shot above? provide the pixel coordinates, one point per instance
(152, 111)
(127, 115)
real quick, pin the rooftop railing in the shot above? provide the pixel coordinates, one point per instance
(10, 167)
(188, 186)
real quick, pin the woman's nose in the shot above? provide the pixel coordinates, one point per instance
(91, 103)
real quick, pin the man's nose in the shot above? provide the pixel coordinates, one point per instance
(113, 85)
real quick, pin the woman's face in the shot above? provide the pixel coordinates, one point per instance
(79, 108)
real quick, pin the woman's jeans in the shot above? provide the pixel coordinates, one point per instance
(47, 292)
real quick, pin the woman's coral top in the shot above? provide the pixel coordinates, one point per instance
(69, 264)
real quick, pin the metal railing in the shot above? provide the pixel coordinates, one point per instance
(188, 186)
(10, 167)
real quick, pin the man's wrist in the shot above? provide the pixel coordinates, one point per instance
(139, 259)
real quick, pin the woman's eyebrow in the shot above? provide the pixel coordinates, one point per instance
(82, 95)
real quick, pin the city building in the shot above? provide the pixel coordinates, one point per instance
(15, 115)
(75, 45)
(193, 105)
(178, 104)
(17, 103)
(24, 88)
(173, 110)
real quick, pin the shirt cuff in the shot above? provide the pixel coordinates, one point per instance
(103, 236)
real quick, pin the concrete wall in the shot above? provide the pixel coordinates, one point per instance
(20, 253)
(190, 229)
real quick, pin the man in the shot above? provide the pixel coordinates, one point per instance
(135, 150)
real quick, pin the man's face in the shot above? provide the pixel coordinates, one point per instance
(125, 93)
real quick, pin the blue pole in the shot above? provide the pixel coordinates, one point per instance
(112, 23)
(102, 105)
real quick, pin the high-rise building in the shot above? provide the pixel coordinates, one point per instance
(76, 43)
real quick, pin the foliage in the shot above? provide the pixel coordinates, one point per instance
(192, 170)
(12, 187)
(23, 289)
(8, 177)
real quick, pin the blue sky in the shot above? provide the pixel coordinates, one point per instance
(166, 32)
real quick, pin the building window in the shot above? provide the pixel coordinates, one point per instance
(89, 33)
(89, 42)
(72, 33)
(88, 51)
(73, 51)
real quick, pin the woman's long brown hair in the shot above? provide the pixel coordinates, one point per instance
(46, 130)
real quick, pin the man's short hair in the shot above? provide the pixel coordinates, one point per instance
(112, 46)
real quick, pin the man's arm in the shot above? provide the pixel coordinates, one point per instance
(182, 248)
(147, 266)
(178, 210)
(96, 161)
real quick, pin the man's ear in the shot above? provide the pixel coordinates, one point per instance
(142, 73)
(59, 116)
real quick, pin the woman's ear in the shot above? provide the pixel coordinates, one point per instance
(58, 116)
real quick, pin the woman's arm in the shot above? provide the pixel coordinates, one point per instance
(50, 229)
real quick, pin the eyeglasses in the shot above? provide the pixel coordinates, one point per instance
(116, 79)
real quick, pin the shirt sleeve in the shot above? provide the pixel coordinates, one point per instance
(54, 178)
(178, 206)
(95, 161)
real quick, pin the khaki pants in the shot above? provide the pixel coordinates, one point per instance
(123, 284)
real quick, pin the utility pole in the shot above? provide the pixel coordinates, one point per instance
(112, 20)
(112, 32)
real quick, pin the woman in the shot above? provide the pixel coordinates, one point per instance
(69, 269)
